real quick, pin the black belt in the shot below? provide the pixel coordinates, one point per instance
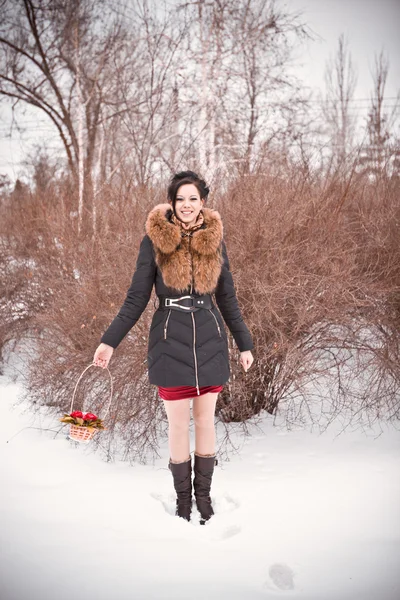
(187, 303)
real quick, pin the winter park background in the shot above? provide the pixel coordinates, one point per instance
(292, 118)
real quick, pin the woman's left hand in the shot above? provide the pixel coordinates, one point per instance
(246, 359)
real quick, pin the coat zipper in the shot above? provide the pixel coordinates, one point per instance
(194, 354)
(194, 326)
(216, 322)
(166, 324)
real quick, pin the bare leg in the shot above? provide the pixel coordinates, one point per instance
(203, 415)
(178, 413)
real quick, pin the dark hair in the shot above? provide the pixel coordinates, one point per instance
(186, 177)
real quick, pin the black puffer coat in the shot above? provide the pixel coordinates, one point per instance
(184, 349)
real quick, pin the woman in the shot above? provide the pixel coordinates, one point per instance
(184, 255)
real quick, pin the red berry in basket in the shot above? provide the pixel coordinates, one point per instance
(76, 413)
(90, 417)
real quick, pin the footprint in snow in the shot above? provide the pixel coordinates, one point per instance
(225, 503)
(167, 501)
(281, 576)
(227, 532)
(221, 504)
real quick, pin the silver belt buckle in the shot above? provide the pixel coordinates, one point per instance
(172, 301)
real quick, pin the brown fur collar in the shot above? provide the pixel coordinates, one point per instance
(181, 258)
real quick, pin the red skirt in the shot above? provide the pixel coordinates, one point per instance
(186, 391)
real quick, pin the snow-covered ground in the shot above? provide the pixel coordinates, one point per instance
(297, 515)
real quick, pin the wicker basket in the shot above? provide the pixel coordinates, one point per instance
(81, 433)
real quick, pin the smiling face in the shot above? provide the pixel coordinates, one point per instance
(188, 204)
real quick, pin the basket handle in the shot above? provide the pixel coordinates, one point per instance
(80, 377)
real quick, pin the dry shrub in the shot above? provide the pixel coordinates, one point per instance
(315, 263)
(75, 288)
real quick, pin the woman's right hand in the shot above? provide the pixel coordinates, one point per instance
(103, 355)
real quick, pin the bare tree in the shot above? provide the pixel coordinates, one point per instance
(379, 154)
(269, 97)
(141, 89)
(150, 119)
(340, 81)
(60, 58)
(237, 72)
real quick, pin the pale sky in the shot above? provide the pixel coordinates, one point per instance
(370, 25)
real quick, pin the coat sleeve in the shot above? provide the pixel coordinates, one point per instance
(137, 296)
(225, 296)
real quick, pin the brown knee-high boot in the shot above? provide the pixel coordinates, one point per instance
(203, 473)
(182, 474)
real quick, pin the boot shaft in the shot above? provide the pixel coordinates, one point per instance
(182, 476)
(203, 471)
(203, 474)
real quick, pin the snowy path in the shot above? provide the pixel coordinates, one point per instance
(297, 515)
